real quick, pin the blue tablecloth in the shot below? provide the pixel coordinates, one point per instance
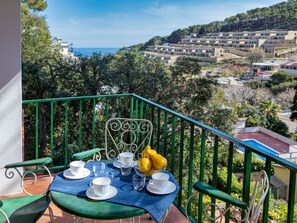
(156, 205)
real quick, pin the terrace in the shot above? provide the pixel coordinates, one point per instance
(76, 124)
(61, 126)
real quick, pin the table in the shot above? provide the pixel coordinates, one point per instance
(86, 208)
(76, 203)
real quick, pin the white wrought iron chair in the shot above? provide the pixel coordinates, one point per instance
(252, 212)
(121, 135)
(29, 208)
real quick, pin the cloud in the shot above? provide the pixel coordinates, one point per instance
(122, 28)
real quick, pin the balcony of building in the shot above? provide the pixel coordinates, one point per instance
(59, 127)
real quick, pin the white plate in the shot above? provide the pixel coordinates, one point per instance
(68, 174)
(112, 191)
(170, 188)
(117, 164)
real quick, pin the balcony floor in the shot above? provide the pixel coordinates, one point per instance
(174, 216)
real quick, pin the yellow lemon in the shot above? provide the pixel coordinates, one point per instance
(144, 164)
(147, 147)
(159, 161)
(148, 152)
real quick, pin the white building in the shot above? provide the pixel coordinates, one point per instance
(290, 67)
(271, 41)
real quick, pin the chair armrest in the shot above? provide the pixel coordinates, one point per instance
(36, 162)
(211, 191)
(85, 154)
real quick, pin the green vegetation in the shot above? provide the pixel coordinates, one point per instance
(46, 74)
(278, 16)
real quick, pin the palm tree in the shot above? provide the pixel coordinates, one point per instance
(269, 108)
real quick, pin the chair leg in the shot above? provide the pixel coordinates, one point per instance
(7, 219)
(51, 214)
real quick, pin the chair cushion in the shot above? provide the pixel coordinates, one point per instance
(25, 209)
(211, 191)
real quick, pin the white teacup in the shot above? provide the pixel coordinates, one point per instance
(100, 185)
(77, 167)
(126, 158)
(159, 181)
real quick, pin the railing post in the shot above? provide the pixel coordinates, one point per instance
(80, 126)
(191, 161)
(106, 108)
(247, 176)
(229, 178)
(181, 160)
(66, 133)
(291, 202)
(201, 174)
(131, 107)
(266, 202)
(173, 145)
(165, 134)
(52, 130)
(214, 172)
(94, 123)
(136, 108)
(158, 129)
(36, 130)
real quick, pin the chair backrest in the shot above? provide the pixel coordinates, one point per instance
(260, 191)
(126, 135)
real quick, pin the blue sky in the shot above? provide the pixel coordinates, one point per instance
(118, 23)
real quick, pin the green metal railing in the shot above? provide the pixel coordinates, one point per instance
(63, 126)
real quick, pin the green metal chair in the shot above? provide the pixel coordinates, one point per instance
(251, 211)
(26, 209)
(121, 135)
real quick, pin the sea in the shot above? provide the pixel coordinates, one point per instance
(89, 51)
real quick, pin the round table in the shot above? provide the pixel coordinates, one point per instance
(87, 208)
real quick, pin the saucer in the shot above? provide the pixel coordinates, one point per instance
(68, 174)
(169, 189)
(112, 191)
(117, 164)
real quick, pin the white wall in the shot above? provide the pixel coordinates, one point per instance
(291, 71)
(10, 91)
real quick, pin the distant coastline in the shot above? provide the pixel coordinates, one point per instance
(90, 51)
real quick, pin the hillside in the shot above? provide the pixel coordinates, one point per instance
(281, 16)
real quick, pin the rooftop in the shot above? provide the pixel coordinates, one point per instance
(270, 141)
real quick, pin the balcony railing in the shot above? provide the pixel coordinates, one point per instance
(61, 126)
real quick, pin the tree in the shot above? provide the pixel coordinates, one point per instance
(253, 115)
(280, 77)
(255, 56)
(131, 72)
(245, 94)
(177, 35)
(188, 90)
(38, 5)
(269, 109)
(157, 40)
(294, 107)
(285, 98)
(219, 117)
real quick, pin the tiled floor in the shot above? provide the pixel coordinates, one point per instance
(174, 215)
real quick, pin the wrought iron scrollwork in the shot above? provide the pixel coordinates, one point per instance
(124, 135)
